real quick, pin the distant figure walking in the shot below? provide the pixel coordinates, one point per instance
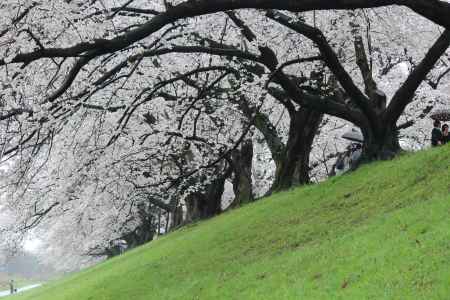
(445, 136)
(436, 134)
(11, 287)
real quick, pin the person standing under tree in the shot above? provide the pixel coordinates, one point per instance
(445, 136)
(436, 134)
(11, 287)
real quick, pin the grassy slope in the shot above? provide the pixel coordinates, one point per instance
(380, 233)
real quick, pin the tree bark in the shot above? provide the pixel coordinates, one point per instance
(207, 203)
(293, 168)
(242, 178)
(381, 146)
(177, 218)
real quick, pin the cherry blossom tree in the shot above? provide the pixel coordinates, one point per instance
(119, 117)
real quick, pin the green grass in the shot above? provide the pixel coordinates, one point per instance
(382, 232)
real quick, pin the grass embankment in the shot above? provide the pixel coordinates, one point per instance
(382, 232)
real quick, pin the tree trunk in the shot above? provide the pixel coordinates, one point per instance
(207, 203)
(293, 168)
(382, 145)
(177, 218)
(242, 178)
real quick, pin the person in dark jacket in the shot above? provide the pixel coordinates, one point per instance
(436, 134)
(12, 290)
(445, 136)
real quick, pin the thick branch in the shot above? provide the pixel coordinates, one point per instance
(405, 94)
(178, 49)
(327, 105)
(435, 10)
(15, 112)
(331, 60)
(265, 126)
(363, 63)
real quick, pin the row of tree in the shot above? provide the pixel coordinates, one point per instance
(119, 122)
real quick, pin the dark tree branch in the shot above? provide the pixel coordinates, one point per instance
(405, 94)
(405, 125)
(264, 125)
(103, 108)
(331, 60)
(435, 84)
(298, 61)
(38, 216)
(228, 52)
(19, 18)
(363, 63)
(435, 10)
(15, 112)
